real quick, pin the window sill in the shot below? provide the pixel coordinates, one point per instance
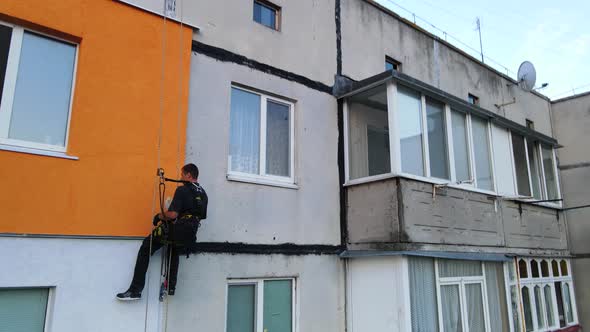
(261, 181)
(433, 181)
(37, 152)
(531, 201)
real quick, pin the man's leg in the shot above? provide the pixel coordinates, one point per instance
(172, 277)
(143, 259)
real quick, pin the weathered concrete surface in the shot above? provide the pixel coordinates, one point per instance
(372, 213)
(254, 213)
(453, 216)
(369, 34)
(581, 271)
(383, 213)
(305, 43)
(537, 227)
(571, 122)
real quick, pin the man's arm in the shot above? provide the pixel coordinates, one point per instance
(168, 215)
(175, 206)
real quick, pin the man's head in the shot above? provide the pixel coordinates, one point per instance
(189, 172)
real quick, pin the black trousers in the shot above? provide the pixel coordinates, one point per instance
(143, 259)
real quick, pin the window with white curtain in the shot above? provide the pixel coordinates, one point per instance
(551, 188)
(36, 83)
(261, 136)
(503, 161)
(457, 295)
(546, 294)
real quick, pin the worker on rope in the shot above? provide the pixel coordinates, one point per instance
(178, 229)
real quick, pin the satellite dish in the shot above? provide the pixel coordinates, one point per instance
(527, 76)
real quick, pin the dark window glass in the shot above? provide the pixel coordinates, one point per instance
(473, 99)
(544, 269)
(535, 268)
(5, 36)
(522, 172)
(522, 270)
(265, 15)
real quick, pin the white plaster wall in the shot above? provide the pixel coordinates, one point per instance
(305, 44)
(86, 275)
(378, 294)
(200, 301)
(253, 213)
(369, 34)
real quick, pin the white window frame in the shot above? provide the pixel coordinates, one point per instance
(541, 281)
(461, 282)
(10, 80)
(259, 300)
(395, 150)
(262, 177)
(543, 185)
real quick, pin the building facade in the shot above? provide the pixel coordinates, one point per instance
(362, 174)
(570, 117)
(83, 98)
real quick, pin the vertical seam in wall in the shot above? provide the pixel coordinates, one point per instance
(343, 193)
(400, 211)
(338, 38)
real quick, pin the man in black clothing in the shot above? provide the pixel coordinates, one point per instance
(187, 208)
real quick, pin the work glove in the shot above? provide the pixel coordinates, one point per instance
(156, 220)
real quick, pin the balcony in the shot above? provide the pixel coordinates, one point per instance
(425, 169)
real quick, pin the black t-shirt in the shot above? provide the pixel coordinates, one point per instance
(189, 198)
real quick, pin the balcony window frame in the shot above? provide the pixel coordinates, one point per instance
(395, 145)
(9, 89)
(538, 153)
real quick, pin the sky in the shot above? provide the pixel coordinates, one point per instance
(553, 35)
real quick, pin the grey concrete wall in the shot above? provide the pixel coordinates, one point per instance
(369, 34)
(537, 227)
(201, 305)
(571, 121)
(453, 216)
(254, 213)
(373, 212)
(581, 271)
(384, 212)
(305, 44)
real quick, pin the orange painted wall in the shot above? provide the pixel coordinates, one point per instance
(114, 123)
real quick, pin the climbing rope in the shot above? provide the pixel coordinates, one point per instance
(159, 154)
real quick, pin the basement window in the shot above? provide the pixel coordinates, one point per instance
(267, 14)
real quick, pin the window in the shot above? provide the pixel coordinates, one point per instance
(546, 294)
(261, 136)
(36, 82)
(461, 146)
(437, 138)
(409, 105)
(503, 170)
(481, 153)
(368, 133)
(534, 168)
(391, 64)
(267, 14)
(23, 309)
(457, 295)
(472, 99)
(260, 305)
